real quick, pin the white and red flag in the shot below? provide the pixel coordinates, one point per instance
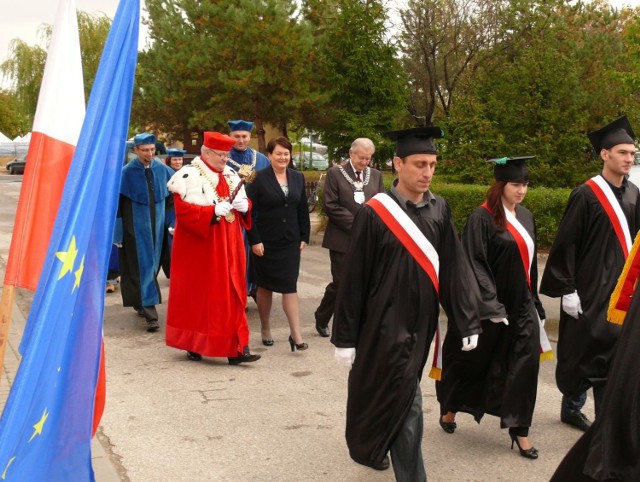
(56, 128)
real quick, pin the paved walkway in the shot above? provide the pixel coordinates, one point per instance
(280, 419)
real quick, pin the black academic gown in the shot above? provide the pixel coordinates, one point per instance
(586, 256)
(500, 377)
(387, 308)
(610, 449)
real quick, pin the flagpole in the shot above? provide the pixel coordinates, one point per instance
(6, 307)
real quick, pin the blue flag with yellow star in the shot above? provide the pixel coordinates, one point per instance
(46, 426)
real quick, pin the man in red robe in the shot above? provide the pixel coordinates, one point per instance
(208, 291)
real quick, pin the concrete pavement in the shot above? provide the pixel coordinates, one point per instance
(279, 419)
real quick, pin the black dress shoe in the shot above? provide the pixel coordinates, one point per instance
(193, 356)
(576, 419)
(246, 358)
(384, 465)
(448, 427)
(152, 325)
(323, 331)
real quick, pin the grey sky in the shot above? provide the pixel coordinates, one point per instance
(24, 17)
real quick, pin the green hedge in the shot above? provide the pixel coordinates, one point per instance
(546, 204)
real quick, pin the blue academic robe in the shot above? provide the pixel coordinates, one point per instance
(140, 228)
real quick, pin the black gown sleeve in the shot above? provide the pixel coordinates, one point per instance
(476, 238)
(458, 296)
(354, 284)
(559, 275)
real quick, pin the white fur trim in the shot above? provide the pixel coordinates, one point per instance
(196, 183)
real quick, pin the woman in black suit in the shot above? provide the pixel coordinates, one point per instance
(279, 232)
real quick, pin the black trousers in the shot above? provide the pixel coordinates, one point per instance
(324, 312)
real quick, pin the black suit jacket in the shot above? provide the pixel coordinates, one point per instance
(340, 206)
(276, 218)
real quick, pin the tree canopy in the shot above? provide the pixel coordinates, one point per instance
(502, 77)
(214, 61)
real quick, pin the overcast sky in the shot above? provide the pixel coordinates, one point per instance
(24, 17)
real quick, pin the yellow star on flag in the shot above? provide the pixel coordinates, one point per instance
(4, 474)
(78, 274)
(39, 426)
(68, 258)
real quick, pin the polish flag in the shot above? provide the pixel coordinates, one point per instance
(56, 128)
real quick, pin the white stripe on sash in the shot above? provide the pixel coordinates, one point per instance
(511, 219)
(412, 230)
(615, 204)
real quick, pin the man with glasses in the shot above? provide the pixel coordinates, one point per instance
(145, 211)
(346, 189)
(206, 314)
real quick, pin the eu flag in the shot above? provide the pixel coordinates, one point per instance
(45, 430)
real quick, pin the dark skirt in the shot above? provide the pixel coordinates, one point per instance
(278, 269)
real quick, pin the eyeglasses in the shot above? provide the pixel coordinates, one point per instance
(223, 155)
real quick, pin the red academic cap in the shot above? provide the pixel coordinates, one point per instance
(218, 141)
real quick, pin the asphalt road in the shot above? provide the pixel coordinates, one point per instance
(281, 418)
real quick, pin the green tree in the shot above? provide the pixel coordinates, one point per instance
(357, 66)
(440, 40)
(24, 69)
(12, 123)
(213, 61)
(539, 94)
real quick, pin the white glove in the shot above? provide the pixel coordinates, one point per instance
(500, 320)
(571, 304)
(171, 231)
(241, 204)
(223, 208)
(118, 245)
(469, 343)
(345, 356)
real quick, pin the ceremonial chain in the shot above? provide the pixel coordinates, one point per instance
(253, 163)
(206, 175)
(358, 185)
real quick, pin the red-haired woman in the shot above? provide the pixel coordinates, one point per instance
(500, 377)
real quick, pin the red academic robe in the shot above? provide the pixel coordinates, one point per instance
(208, 290)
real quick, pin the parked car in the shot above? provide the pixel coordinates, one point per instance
(634, 173)
(17, 165)
(312, 160)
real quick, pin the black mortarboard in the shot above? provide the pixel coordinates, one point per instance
(511, 169)
(418, 140)
(618, 132)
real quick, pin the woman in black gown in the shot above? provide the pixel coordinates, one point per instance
(280, 231)
(500, 377)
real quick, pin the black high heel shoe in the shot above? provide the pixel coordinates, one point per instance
(297, 346)
(448, 427)
(267, 341)
(531, 453)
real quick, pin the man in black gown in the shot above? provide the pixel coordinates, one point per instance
(610, 449)
(387, 307)
(587, 256)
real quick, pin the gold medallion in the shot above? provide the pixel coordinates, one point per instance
(230, 217)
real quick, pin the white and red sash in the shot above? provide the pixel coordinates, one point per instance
(420, 248)
(526, 247)
(403, 228)
(612, 207)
